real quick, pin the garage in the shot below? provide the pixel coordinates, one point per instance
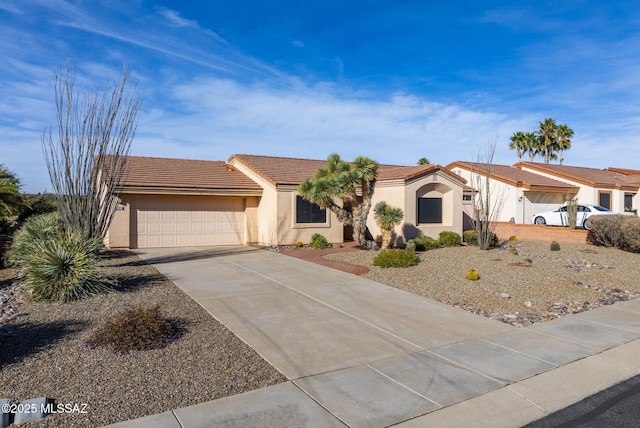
(180, 221)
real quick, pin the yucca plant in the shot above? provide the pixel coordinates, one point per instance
(387, 217)
(29, 238)
(63, 269)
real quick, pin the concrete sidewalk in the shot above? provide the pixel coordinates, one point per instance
(363, 354)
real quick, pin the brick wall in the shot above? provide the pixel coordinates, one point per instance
(538, 232)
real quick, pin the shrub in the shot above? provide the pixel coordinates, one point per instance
(472, 275)
(299, 244)
(31, 235)
(606, 230)
(62, 269)
(134, 330)
(470, 237)
(396, 258)
(631, 233)
(411, 246)
(319, 242)
(512, 238)
(555, 246)
(424, 243)
(450, 239)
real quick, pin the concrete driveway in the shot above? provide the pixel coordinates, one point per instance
(360, 353)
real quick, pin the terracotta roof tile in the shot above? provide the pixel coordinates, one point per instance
(624, 171)
(590, 176)
(185, 174)
(293, 171)
(517, 177)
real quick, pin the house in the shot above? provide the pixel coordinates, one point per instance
(252, 199)
(521, 193)
(608, 188)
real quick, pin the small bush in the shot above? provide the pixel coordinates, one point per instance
(411, 246)
(134, 330)
(396, 258)
(555, 246)
(319, 242)
(450, 239)
(472, 275)
(619, 231)
(424, 243)
(470, 237)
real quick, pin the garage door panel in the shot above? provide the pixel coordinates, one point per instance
(160, 221)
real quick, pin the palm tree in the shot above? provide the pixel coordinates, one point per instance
(387, 217)
(518, 143)
(10, 197)
(423, 161)
(564, 140)
(548, 138)
(532, 145)
(353, 183)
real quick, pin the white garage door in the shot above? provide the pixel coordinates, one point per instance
(181, 221)
(538, 202)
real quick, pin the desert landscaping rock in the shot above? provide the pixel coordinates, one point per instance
(554, 284)
(43, 356)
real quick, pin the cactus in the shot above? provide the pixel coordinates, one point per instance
(555, 246)
(513, 238)
(473, 275)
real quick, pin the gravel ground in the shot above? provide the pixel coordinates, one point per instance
(534, 285)
(42, 355)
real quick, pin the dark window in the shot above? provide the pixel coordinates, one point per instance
(605, 200)
(628, 202)
(308, 212)
(429, 210)
(466, 197)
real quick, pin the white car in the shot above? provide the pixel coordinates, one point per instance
(560, 217)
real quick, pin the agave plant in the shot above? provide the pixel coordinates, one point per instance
(387, 217)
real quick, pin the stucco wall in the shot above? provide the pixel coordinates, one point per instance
(118, 234)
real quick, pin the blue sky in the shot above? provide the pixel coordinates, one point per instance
(392, 80)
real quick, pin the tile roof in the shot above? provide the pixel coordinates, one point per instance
(150, 172)
(590, 176)
(517, 177)
(293, 171)
(624, 171)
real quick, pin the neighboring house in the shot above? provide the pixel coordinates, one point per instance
(631, 176)
(607, 188)
(254, 200)
(522, 193)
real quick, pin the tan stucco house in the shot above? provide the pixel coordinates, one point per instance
(604, 187)
(521, 192)
(252, 199)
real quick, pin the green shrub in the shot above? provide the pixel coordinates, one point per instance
(319, 242)
(396, 258)
(411, 246)
(62, 269)
(555, 246)
(424, 243)
(30, 237)
(470, 237)
(134, 330)
(619, 231)
(450, 239)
